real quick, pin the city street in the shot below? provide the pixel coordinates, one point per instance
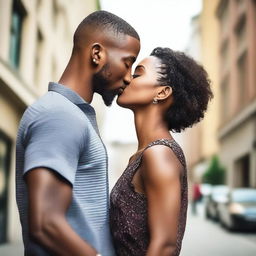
(204, 237)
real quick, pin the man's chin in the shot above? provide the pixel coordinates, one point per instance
(108, 100)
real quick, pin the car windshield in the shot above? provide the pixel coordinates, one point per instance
(244, 196)
(220, 190)
(219, 193)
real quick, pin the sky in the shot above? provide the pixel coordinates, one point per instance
(164, 23)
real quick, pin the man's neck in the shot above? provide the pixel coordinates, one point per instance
(78, 80)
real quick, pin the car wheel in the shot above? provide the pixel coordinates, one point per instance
(230, 226)
(217, 216)
(222, 223)
(207, 215)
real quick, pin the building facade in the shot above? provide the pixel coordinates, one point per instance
(224, 33)
(200, 142)
(237, 133)
(35, 45)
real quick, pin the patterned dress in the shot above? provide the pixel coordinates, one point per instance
(128, 208)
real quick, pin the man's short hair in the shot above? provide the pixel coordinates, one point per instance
(104, 20)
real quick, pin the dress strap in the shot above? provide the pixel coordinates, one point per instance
(171, 143)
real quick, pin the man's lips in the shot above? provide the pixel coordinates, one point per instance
(121, 90)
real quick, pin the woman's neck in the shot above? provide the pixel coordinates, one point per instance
(150, 126)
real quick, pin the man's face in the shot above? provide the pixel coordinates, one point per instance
(115, 75)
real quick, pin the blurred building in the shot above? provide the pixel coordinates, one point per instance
(200, 142)
(224, 40)
(237, 132)
(191, 140)
(35, 45)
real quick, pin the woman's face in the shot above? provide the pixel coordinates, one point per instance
(144, 85)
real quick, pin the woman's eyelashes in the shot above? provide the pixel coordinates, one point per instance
(134, 76)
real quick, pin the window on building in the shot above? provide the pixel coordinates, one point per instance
(5, 147)
(242, 68)
(241, 4)
(241, 36)
(38, 4)
(55, 13)
(225, 57)
(224, 17)
(225, 101)
(18, 14)
(38, 58)
(242, 172)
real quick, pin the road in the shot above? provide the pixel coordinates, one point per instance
(208, 238)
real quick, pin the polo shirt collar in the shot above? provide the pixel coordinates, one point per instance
(77, 100)
(67, 92)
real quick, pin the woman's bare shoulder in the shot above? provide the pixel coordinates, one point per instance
(159, 161)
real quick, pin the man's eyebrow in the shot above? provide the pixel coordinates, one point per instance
(132, 59)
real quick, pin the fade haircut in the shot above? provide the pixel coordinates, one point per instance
(103, 21)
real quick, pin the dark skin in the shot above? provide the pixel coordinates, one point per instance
(158, 176)
(49, 194)
(49, 199)
(118, 54)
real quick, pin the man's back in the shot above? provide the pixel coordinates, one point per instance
(59, 132)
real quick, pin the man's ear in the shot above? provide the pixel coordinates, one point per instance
(97, 54)
(164, 92)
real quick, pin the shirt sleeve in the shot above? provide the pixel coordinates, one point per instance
(54, 141)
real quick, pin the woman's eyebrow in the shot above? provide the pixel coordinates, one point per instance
(140, 67)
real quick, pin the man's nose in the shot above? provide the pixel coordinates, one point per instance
(128, 78)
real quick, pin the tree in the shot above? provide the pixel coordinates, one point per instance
(215, 174)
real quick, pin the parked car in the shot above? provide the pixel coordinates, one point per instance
(218, 194)
(206, 189)
(238, 212)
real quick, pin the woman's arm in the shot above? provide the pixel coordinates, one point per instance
(161, 171)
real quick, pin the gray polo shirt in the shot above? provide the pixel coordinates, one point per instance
(59, 132)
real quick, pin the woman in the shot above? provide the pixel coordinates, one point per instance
(169, 91)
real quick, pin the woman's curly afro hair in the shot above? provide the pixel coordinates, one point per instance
(190, 85)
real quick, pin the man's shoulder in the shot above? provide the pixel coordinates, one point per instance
(55, 107)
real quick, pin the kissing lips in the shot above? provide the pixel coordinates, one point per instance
(120, 91)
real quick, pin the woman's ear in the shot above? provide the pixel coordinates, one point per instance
(164, 92)
(98, 54)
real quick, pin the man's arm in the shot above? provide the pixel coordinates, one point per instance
(49, 198)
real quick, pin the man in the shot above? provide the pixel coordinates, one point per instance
(61, 169)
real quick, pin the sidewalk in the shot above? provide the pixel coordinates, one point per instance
(12, 249)
(207, 238)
